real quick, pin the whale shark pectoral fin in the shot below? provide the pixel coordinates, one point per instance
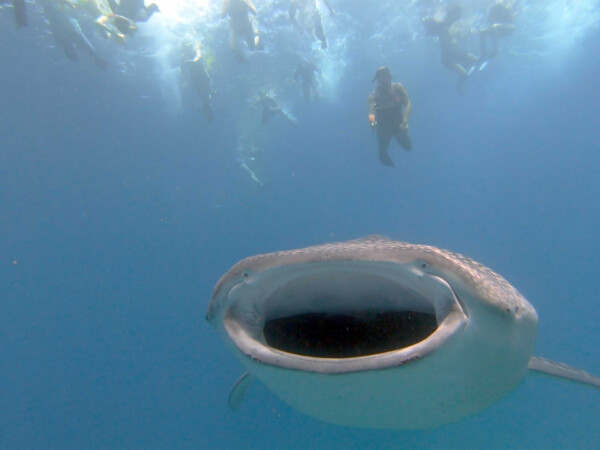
(239, 390)
(560, 370)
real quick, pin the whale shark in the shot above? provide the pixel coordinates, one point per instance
(377, 333)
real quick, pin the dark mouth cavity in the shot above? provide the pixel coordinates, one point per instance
(348, 334)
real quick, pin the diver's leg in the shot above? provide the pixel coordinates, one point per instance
(234, 44)
(266, 116)
(319, 31)
(20, 12)
(68, 48)
(249, 38)
(462, 77)
(500, 30)
(84, 44)
(383, 141)
(483, 36)
(403, 138)
(207, 107)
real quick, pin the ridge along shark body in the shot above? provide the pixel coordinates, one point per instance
(377, 333)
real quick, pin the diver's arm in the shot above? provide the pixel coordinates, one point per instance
(372, 109)
(407, 108)
(292, 13)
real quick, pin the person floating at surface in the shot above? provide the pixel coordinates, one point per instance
(269, 108)
(135, 10)
(68, 32)
(454, 58)
(20, 11)
(240, 26)
(501, 19)
(389, 112)
(306, 71)
(312, 17)
(111, 26)
(200, 80)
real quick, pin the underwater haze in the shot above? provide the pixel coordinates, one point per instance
(121, 205)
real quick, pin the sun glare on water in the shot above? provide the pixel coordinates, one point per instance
(175, 12)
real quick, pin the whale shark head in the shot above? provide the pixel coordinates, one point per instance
(376, 333)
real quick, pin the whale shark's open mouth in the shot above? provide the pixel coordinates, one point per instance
(328, 313)
(347, 334)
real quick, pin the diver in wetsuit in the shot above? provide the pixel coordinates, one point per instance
(501, 19)
(454, 58)
(240, 26)
(389, 112)
(200, 80)
(312, 17)
(306, 71)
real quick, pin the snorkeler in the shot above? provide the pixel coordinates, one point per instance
(109, 25)
(389, 112)
(200, 80)
(68, 32)
(501, 19)
(20, 11)
(306, 71)
(270, 108)
(312, 17)
(454, 58)
(240, 26)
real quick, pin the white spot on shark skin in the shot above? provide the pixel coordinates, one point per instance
(378, 333)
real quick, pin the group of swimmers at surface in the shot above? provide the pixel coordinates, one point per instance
(389, 103)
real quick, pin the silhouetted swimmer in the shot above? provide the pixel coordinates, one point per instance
(454, 58)
(306, 71)
(200, 80)
(270, 108)
(389, 112)
(501, 20)
(110, 25)
(240, 26)
(67, 32)
(312, 17)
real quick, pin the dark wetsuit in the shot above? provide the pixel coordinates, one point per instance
(389, 108)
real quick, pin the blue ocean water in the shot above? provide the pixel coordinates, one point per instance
(121, 206)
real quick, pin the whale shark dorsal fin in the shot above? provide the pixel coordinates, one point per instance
(560, 370)
(239, 390)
